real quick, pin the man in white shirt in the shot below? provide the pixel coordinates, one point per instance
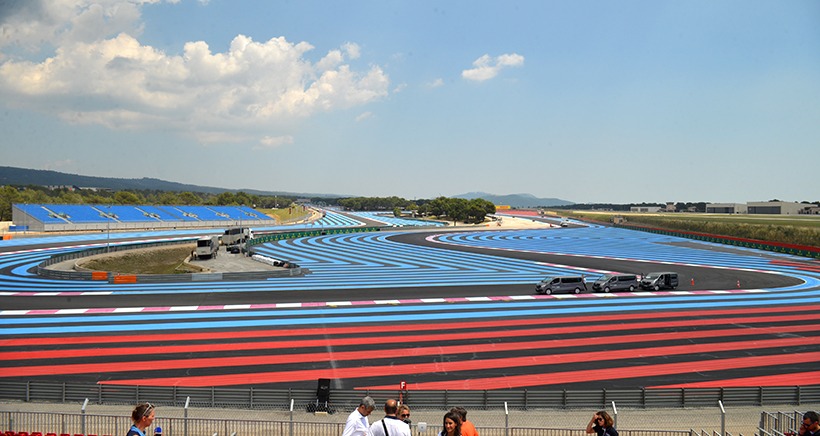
(390, 425)
(357, 421)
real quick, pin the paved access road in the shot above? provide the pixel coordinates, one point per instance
(439, 309)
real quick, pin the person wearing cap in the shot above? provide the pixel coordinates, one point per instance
(390, 425)
(357, 424)
(143, 416)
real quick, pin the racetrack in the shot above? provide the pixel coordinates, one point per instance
(439, 309)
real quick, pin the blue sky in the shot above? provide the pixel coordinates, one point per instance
(586, 101)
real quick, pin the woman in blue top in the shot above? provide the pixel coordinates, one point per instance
(143, 417)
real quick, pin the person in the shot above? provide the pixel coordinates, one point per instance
(811, 424)
(602, 424)
(451, 425)
(357, 424)
(390, 425)
(142, 416)
(404, 414)
(467, 427)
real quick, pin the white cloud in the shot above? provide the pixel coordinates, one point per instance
(486, 67)
(363, 116)
(269, 142)
(436, 83)
(116, 81)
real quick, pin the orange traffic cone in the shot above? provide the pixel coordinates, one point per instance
(693, 281)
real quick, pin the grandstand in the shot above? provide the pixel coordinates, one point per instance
(87, 217)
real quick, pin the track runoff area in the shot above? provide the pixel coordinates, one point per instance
(438, 309)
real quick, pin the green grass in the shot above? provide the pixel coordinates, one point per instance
(787, 229)
(285, 214)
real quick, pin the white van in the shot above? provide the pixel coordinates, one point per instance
(207, 246)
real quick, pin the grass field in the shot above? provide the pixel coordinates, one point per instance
(788, 229)
(287, 214)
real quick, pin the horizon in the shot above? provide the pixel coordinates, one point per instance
(603, 103)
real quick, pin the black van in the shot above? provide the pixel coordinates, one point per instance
(557, 284)
(616, 282)
(660, 280)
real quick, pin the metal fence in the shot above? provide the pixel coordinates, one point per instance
(104, 425)
(523, 399)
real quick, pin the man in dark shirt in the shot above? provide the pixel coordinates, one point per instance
(811, 424)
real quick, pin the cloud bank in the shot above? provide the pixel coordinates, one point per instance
(486, 67)
(99, 73)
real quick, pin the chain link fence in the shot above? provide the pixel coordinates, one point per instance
(102, 420)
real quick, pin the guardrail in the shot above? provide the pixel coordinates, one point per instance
(303, 233)
(797, 250)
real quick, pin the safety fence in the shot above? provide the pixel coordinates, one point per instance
(304, 233)
(88, 424)
(281, 399)
(797, 250)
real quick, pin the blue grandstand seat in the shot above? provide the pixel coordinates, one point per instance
(40, 213)
(126, 213)
(77, 213)
(202, 213)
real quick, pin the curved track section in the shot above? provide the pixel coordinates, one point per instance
(447, 310)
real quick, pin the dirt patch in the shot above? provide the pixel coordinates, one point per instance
(157, 260)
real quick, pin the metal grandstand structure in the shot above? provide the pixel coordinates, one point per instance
(73, 217)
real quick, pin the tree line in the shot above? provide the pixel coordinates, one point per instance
(454, 209)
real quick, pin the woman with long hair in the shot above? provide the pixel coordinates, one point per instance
(602, 424)
(451, 425)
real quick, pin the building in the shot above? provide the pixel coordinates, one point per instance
(778, 208)
(730, 208)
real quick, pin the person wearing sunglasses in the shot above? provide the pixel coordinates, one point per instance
(143, 416)
(404, 413)
(811, 424)
(602, 424)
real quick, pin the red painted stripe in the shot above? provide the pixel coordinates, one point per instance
(339, 356)
(216, 335)
(790, 379)
(371, 340)
(477, 365)
(510, 382)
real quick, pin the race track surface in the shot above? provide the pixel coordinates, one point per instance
(439, 309)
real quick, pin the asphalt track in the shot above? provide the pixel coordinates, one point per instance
(439, 309)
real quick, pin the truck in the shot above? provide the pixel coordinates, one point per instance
(236, 235)
(207, 246)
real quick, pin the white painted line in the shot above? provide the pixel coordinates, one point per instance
(338, 303)
(387, 302)
(433, 300)
(521, 297)
(236, 306)
(70, 311)
(128, 309)
(289, 305)
(479, 299)
(182, 308)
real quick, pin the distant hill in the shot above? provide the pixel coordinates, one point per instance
(24, 176)
(516, 200)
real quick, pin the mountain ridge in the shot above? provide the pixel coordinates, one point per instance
(515, 200)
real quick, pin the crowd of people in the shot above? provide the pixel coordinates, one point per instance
(396, 421)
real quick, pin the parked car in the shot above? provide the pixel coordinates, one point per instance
(558, 284)
(660, 280)
(616, 282)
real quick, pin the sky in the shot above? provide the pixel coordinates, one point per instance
(586, 101)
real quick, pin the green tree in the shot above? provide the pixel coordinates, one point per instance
(127, 197)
